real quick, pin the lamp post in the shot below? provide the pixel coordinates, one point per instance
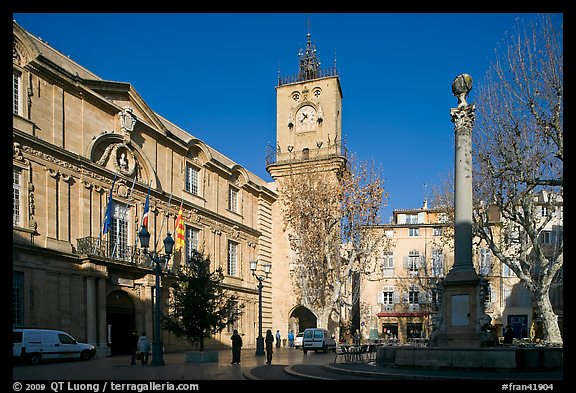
(144, 235)
(260, 338)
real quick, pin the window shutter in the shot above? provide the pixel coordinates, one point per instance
(421, 218)
(405, 262)
(380, 298)
(396, 297)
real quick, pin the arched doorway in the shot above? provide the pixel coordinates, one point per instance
(303, 318)
(121, 321)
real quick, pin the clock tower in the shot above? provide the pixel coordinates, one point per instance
(308, 118)
(308, 141)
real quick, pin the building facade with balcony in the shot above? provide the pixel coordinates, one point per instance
(82, 145)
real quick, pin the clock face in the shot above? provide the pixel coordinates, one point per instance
(306, 118)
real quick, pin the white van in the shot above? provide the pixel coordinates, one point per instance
(35, 345)
(318, 339)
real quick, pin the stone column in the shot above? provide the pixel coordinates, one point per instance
(461, 312)
(91, 312)
(463, 119)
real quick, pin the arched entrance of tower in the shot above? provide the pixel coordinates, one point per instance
(301, 318)
(121, 322)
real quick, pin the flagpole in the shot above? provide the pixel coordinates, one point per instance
(163, 220)
(105, 225)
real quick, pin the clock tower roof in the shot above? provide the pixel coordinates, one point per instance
(308, 62)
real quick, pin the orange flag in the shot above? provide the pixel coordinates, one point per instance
(179, 230)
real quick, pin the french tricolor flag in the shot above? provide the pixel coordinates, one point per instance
(146, 208)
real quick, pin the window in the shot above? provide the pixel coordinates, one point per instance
(435, 296)
(485, 261)
(413, 231)
(118, 239)
(413, 330)
(412, 263)
(233, 199)
(551, 237)
(16, 93)
(192, 179)
(507, 272)
(387, 295)
(437, 231)
(191, 239)
(232, 269)
(506, 300)
(16, 200)
(413, 295)
(388, 263)
(490, 294)
(437, 263)
(411, 218)
(17, 298)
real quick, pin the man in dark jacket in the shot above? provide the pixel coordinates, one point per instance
(236, 347)
(133, 346)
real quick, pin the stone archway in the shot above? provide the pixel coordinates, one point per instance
(121, 322)
(302, 318)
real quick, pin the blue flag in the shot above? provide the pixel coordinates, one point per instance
(108, 214)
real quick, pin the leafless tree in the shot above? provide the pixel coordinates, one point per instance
(325, 214)
(518, 158)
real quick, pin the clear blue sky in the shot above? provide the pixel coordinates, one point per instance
(214, 75)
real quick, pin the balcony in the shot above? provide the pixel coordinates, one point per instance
(116, 253)
(276, 157)
(320, 73)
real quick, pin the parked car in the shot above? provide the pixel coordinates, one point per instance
(35, 345)
(298, 340)
(318, 339)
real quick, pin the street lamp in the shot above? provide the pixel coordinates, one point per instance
(144, 235)
(260, 338)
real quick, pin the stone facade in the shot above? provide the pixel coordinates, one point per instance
(78, 138)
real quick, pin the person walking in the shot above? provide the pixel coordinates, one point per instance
(269, 344)
(144, 347)
(133, 347)
(236, 346)
(277, 338)
(508, 335)
(291, 339)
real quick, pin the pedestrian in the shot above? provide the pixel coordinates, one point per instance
(291, 339)
(133, 347)
(277, 338)
(144, 347)
(269, 344)
(357, 337)
(508, 335)
(236, 346)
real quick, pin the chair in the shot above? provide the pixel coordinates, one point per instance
(342, 350)
(371, 352)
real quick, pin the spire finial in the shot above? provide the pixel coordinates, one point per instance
(309, 63)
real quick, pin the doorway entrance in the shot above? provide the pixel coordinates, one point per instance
(121, 321)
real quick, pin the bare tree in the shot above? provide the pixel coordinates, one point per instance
(518, 159)
(326, 214)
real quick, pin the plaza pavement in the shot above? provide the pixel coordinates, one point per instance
(288, 364)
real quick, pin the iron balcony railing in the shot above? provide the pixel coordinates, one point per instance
(319, 73)
(282, 157)
(117, 253)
